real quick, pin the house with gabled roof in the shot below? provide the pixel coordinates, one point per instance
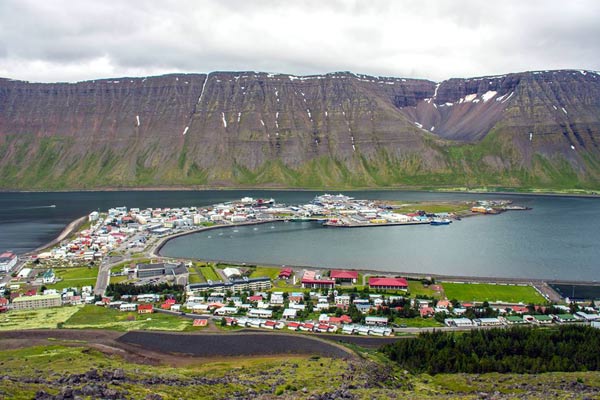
(344, 276)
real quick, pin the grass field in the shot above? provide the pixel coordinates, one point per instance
(271, 272)
(434, 207)
(74, 277)
(417, 322)
(196, 278)
(36, 319)
(490, 292)
(119, 279)
(106, 318)
(416, 288)
(209, 273)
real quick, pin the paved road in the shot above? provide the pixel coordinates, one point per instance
(104, 273)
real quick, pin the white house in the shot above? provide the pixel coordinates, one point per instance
(226, 311)
(290, 313)
(255, 312)
(128, 307)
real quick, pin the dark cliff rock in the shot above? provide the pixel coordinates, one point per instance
(250, 128)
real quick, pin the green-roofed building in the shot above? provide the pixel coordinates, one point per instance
(37, 301)
(49, 276)
(566, 318)
(515, 320)
(542, 319)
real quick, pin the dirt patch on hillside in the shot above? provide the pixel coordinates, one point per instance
(177, 349)
(234, 344)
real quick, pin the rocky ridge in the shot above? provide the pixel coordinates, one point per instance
(339, 129)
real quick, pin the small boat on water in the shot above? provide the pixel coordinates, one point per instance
(438, 221)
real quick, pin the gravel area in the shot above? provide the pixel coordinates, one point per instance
(234, 344)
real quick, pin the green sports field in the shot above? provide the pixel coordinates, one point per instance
(491, 292)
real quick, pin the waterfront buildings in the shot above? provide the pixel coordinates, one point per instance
(235, 285)
(7, 261)
(388, 283)
(342, 276)
(310, 280)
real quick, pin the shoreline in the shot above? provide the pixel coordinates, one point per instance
(440, 190)
(69, 229)
(155, 252)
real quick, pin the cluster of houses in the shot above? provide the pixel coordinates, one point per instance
(325, 324)
(346, 211)
(48, 298)
(520, 315)
(89, 244)
(278, 311)
(141, 303)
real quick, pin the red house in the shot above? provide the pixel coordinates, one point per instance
(285, 273)
(341, 275)
(145, 309)
(388, 283)
(167, 304)
(426, 312)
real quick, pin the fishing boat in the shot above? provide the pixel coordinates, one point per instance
(439, 221)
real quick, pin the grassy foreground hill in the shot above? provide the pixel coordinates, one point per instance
(57, 371)
(63, 364)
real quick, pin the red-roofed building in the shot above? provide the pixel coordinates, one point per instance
(307, 326)
(388, 283)
(344, 319)
(270, 324)
(318, 283)
(168, 304)
(145, 309)
(426, 311)
(293, 325)
(341, 275)
(311, 280)
(3, 301)
(520, 309)
(285, 273)
(295, 299)
(255, 298)
(443, 304)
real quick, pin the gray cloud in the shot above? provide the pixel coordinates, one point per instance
(68, 41)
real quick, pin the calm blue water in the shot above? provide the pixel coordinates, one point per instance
(558, 239)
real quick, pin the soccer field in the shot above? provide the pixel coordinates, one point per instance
(490, 292)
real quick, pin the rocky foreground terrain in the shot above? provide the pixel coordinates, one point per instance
(94, 364)
(530, 129)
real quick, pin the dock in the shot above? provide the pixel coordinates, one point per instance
(370, 225)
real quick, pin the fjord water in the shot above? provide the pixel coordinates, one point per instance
(558, 239)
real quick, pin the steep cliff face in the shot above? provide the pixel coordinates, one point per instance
(342, 129)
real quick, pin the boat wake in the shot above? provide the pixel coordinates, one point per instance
(32, 207)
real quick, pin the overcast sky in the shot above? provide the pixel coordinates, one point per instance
(58, 40)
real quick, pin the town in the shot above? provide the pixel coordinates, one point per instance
(112, 261)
